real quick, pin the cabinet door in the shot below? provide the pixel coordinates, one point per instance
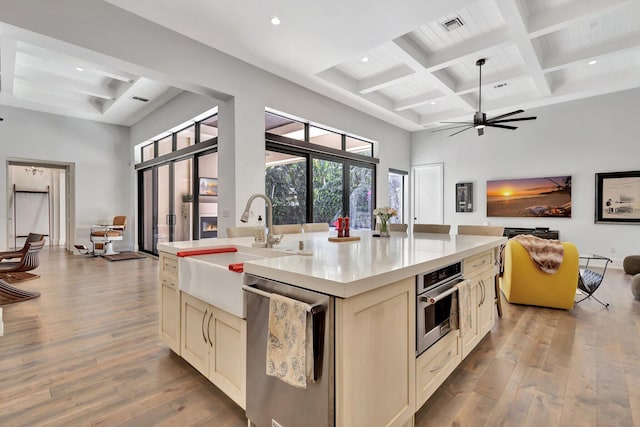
(469, 321)
(486, 302)
(194, 346)
(375, 357)
(170, 313)
(227, 369)
(169, 324)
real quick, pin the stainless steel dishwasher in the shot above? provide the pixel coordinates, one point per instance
(270, 401)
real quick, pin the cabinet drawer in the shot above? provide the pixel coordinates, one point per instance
(435, 365)
(169, 281)
(477, 263)
(169, 266)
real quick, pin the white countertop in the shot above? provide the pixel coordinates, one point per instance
(345, 269)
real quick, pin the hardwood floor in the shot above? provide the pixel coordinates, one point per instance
(86, 353)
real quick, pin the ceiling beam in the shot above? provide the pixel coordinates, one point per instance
(611, 47)
(62, 83)
(418, 100)
(405, 50)
(511, 74)
(469, 50)
(513, 18)
(384, 79)
(7, 64)
(558, 18)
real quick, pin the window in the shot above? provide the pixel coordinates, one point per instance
(186, 137)
(324, 137)
(358, 146)
(165, 145)
(202, 131)
(327, 191)
(360, 196)
(318, 179)
(148, 152)
(209, 128)
(279, 125)
(286, 186)
(397, 196)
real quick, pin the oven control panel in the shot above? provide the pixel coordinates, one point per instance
(433, 278)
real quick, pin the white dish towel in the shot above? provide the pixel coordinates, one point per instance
(289, 345)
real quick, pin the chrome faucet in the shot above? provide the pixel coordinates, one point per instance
(271, 239)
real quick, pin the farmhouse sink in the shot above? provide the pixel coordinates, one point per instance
(208, 277)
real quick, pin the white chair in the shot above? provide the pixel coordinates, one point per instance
(102, 236)
(315, 226)
(240, 231)
(431, 228)
(481, 230)
(286, 229)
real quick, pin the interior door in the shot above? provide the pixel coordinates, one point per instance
(428, 194)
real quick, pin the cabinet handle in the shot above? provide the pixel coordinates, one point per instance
(208, 328)
(203, 319)
(478, 265)
(444, 362)
(481, 282)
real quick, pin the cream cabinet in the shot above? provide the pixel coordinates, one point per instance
(435, 365)
(375, 357)
(214, 342)
(169, 322)
(480, 272)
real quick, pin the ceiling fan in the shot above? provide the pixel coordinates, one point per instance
(480, 120)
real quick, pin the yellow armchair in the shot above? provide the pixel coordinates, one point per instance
(524, 283)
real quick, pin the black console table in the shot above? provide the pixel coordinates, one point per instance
(543, 233)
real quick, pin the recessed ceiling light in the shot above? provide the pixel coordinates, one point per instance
(365, 59)
(275, 20)
(433, 103)
(592, 62)
(79, 69)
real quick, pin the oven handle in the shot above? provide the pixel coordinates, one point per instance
(438, 297)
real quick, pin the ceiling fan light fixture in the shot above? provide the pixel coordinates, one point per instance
(479, 126)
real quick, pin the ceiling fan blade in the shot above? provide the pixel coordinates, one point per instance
(480, 131)
(451, 127)
(470, 127)
(505, 115)
(461, 123)
(501, 126)
(512, 120)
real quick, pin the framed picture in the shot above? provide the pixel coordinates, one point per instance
(548, 196)
(618, 197)
(208, 186)
(464, 197)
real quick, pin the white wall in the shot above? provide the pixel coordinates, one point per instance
(579, 138)
(99, 151)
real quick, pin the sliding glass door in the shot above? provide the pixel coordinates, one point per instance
(171, 206)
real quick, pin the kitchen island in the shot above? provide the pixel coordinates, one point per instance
(378, 379)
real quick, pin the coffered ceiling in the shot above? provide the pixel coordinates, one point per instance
(418, 72)
(51, 80)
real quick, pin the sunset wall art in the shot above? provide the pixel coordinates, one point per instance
(530, 197)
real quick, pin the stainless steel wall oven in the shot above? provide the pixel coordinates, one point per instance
(435, 304)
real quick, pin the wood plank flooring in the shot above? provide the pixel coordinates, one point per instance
(86, 353)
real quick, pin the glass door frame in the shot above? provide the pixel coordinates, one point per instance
(172, 208)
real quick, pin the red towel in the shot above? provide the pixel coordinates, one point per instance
(205, 251)
(238, 268)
